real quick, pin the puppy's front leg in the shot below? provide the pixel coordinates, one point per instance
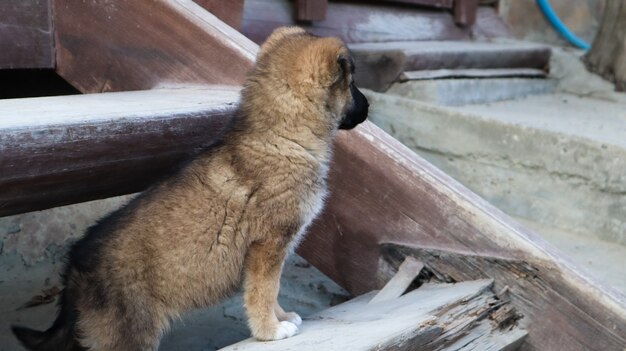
(263, 266)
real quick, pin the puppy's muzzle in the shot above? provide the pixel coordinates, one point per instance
(357, 112)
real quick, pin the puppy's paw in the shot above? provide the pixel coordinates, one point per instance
(292, 317)
(281, 330)
(286, 329)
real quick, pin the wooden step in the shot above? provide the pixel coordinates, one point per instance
(66, 149)
(380, 64)
(121, 45)
(359, 21)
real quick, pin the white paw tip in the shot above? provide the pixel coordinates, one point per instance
(285, 330)
(294, 318)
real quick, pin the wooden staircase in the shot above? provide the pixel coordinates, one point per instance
(60, 150)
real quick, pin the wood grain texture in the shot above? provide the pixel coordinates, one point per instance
(62, 150)
(311, 10)
(465, 12)
(397, 285)
(549, 305)
(380, 64)
(123, 45)
(25, 34)
(230, 12)
(445, 4)
(430, 318)
(356, 22)
(383, 192)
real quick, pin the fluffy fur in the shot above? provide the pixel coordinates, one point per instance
(231, 215)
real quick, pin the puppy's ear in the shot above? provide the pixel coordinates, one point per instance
(278, 35)
(345, 66)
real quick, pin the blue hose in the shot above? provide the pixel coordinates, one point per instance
(560, 27)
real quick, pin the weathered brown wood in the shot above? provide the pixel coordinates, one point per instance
(357, 22)
(535, 288)
(607, 56)
(230, 12)
(446, 4)
(25, 34)
(380, 64)
(383, 192)
(311, 10)
(430, 318)
(132, 45)
(465, 12)
(61, 150)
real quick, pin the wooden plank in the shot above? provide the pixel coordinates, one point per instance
(380, 64)
(311, 10)
(429, 318)
(465, 12)
(25, 34)
(407, 272)
(356, 22)
(473, 73)
(444, 4)
(122, 45)
(68, 149)
(383, 192)
(533, 287)
(484, 338)
(230, 12)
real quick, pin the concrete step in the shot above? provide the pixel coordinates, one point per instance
(555, 159)
(459, 92)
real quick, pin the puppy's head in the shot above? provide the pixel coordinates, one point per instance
(317, 71)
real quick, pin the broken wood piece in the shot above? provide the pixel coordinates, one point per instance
(533, 289)
(473, 73)
(66, 149)
(428, 318)
(484, 337)
(407, 272)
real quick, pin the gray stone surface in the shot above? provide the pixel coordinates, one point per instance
(555, 159)
(32, 247)
(457, 92)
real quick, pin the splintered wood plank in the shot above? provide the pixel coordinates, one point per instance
(380, 64)
(424, 319)
(484, 337)
(380, 191)
(122, 45)
(407, 272)
(533, 288)
(61, 150)
(25, 34)
(370, 22)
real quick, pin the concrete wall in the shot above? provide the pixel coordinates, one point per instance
(528, 23)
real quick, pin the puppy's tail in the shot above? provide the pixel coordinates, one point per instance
(60, 337)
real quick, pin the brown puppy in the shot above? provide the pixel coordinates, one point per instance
(233, 212)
